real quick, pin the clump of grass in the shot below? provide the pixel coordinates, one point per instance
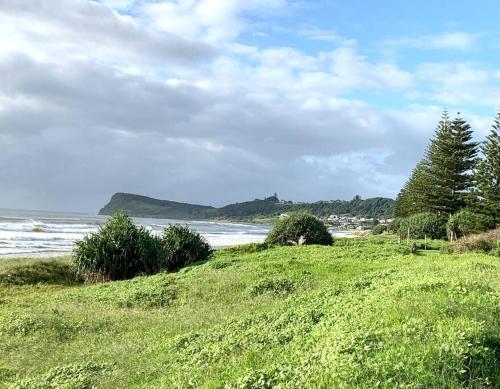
(156, 291)
(486, 242)
(275, 286)
(74, 376)
(41, 271)
(245, 248)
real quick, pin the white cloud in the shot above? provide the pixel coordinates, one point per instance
(213, 21)
(166, 100)
(450, 40)
(459, 83)
(318, 34)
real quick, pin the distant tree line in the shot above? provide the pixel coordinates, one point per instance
(456, 174)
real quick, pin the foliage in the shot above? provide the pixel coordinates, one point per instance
(451, 157)
(379, 229)
(184, 246)
(118, 250)
(70, 376)
(423, 225)
(270, 207)
(370, 315)
(488, 174)
(54, 272)
(413, 197)
(466, 222)
(299, 228)
(488, 242)
(443, 181)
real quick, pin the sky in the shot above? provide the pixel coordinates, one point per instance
(220, 101)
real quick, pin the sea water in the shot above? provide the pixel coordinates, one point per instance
(41, 233)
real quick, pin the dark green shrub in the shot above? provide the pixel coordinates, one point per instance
(394, 225)
(118, 250)
(379, 229)
(184, 246)
(465, 223)
(299, 228)
(423, 225)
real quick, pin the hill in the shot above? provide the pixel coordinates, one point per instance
(363, 313)
(270, 207)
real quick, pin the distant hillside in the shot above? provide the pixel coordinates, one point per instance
(142, 206)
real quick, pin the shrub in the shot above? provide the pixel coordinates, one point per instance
(465, 223)
(379, 229)
(488, 242)
(184, 246)
(299, 228)
(118, 250)
(393, 226)
(423, 225)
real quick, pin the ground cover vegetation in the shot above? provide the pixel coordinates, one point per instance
(360, 313)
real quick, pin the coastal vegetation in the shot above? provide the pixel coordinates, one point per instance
(267, 209)
(299, 228)
(360, 313)
(455, 187)
(121, 250)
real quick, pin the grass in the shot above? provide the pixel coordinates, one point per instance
(364, 313)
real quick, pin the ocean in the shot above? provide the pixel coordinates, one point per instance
(41, 233)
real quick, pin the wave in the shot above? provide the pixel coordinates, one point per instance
(35, 235)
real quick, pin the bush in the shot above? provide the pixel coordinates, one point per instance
(184, 246)
(379, 229)
(299, 228)
(423, 225)
(394, 226)
(488, 242)
(465, 223)
(118, 250)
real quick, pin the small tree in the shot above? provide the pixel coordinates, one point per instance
(299, 228)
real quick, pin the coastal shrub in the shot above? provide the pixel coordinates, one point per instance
(466, 222)
(379, 229)
(184, 246)
(394, 226)
(488, 242)
(118, 250)
(299, 228)
(423, 225)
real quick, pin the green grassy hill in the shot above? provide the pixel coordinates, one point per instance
(361, 314)
(271, 207)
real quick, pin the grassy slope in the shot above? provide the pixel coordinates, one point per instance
(360, 314)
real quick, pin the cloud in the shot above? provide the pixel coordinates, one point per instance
(459, 83)
(79, 28)
(83, 131)
(315, 33)
(212, 21)
(458, 40)
(166, 99)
